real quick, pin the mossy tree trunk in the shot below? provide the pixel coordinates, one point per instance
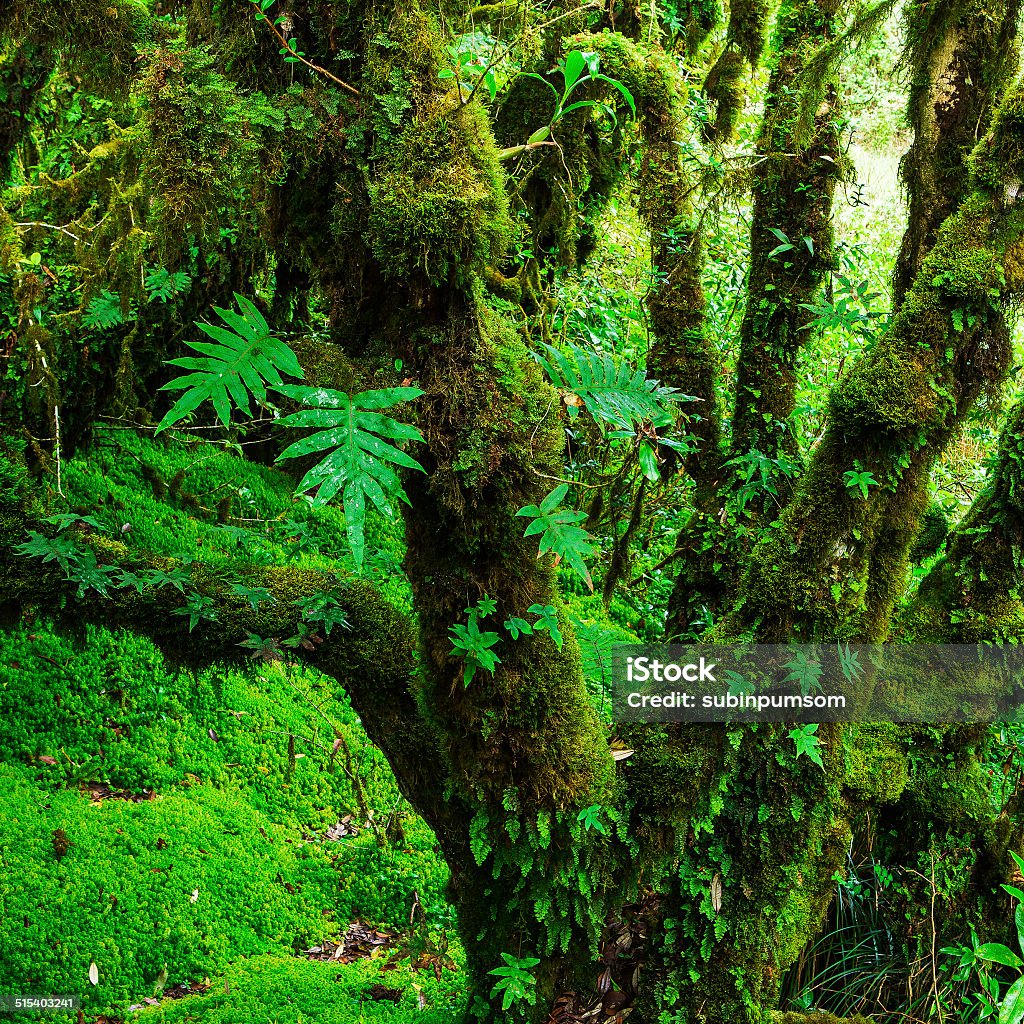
(790, 255)
(961, 60)
(395, 204)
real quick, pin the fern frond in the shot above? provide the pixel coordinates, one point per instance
(104, 311)
(244, 361)
(613, 392)
(560, 532)
(360, 456)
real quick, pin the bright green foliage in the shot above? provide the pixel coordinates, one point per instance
(614, 393)
(989, 1001)
(162, 285)
(805, 671)
(515, 982)
(560, 531)
(518, 627)
(385, 227)
(254, 596)
(159, 489)
(590, 818)
(360, 459)
(323, 610)
(806, 742)
(104, 311)
(244, 360)
(77, 561)
(859, 481)
(474, 645)
(296, 991)
(198, 608)
(548, 621)
(573, 78)
(227, 809)
(131, 870)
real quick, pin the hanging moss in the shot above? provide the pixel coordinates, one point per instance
(102, 37)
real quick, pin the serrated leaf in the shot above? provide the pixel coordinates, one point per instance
(559, 532)
(104, 311)
(613, 392)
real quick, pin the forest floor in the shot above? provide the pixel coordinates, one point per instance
(225, 845)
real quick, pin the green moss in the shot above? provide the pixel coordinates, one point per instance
(935, 526)
(207, 152)
(894, 414)
(295, 991)
(972, 593)
(187, 881)
(124, 719)
(102, 38)
(126, 481)
(877, 769)
(437, 194)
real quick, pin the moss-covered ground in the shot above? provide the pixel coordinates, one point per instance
(174, 827)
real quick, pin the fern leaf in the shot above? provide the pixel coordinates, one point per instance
(560, 532)
(613, 392)
(244, 360)
(104, 311)
(360, 456)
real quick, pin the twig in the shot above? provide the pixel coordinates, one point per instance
(52, 227)
(299, 57)
(562, 480)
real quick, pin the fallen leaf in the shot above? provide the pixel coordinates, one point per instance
(94, 973)
(716, 893)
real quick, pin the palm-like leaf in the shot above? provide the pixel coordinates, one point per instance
(244, 361)
(613, 392)
(360, 457)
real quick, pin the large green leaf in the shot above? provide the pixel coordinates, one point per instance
(1011, 1009)
(560, 532)
(614, 393)
(242, 363)
(360, 458)
(997, 953)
